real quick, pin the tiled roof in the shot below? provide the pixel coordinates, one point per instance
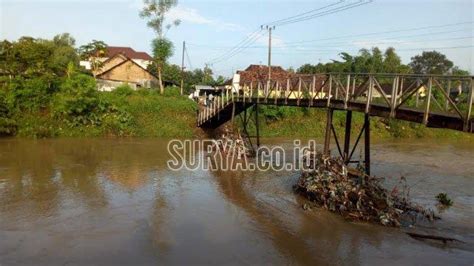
(127, 51)
(260, 72)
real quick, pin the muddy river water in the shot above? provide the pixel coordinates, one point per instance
(114, 201)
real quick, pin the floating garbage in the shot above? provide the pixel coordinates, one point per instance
(356, 196)
(231, 142)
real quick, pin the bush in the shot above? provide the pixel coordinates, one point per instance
(172, 91)
(8, 126)
(123, 90)
(78, 100)
(31, 94)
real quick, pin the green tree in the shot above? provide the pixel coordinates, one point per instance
(93, 52)
(391, 61)
(63, 54)
(306, 69)
(432, 62)
(162, 49)
(207, 79)
(155, 11)
(459, 72)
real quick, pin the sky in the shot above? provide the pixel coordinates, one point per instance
(212, 28)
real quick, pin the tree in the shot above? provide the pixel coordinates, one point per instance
(432, 62)
(92, 52)
(306, 69)
(162, 49)
(64, 39)
(459, 72)
(63, 54)
(207, 79)
(155, 11)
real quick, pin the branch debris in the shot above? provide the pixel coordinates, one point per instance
(356, 196)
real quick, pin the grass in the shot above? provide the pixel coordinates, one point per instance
(148, 114)
(311, 123)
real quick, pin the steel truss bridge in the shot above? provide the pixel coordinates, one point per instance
(437, 101)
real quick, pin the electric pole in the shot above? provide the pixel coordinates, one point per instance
(269, 53)
(182, 67)
(269, 28)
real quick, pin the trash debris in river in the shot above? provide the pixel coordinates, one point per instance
(231, 142)
(355, 195)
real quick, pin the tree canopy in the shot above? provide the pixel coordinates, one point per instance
(432, 62)
(374, 61)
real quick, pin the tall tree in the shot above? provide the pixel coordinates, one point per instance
(432, 62)
(391, 61)
(155, 11)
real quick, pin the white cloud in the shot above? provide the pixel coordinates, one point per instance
(187, 15)
(192, 16)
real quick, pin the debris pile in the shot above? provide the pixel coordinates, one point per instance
(232, 142)
(354, 195)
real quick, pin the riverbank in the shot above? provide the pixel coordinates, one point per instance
(146, 113)
(141, 113)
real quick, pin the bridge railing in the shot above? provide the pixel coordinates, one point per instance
(448, 95)
(211, 108)
(429, 94)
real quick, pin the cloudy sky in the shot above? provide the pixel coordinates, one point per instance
(212, 29)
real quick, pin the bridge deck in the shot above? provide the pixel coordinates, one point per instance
(356, 94)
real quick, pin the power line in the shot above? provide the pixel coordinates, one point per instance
(385, 42)
(236, 50)
(188, 59)
(324, 13)
(242, 43)
(384, 32)
(304, 13)
(345, 43)
(404, 49)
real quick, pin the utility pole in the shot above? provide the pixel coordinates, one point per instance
(269, 53)
(269, 28)
(182, 67)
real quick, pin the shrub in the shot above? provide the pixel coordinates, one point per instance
(123, 90)
(31, 94)
(78, 100)
(172, 91)
(8, 126)
(444, 199)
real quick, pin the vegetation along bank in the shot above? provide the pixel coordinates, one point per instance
(45, 93)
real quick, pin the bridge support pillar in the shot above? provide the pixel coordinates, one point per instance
(367, 143)
(257, 125)
(327, 136)
(347, 137)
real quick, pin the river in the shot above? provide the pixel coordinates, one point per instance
(114, 201)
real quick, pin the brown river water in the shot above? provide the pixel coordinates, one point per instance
(114, 201)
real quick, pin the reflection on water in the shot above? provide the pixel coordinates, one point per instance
(111, 201)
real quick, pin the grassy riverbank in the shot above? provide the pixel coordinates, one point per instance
(143, 113)
(74, 108)
(306, 122)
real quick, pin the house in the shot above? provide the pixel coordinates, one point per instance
(259, 73)
(123, 65)
(141, 58)
(120, 69)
